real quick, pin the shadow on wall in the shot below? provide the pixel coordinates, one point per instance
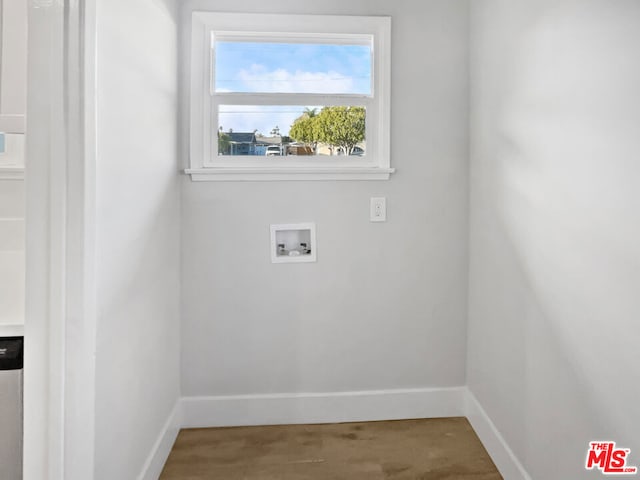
(567, 199)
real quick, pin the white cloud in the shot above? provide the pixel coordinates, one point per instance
(259, 79)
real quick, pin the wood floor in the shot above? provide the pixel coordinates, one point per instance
(432, 449)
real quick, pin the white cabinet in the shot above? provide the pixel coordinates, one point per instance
(13, 107)
(13, 66)
(13, 87)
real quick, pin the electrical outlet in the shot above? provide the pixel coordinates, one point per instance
(378, 211)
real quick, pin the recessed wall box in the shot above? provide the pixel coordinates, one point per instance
(293, 243)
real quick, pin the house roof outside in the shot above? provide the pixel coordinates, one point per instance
(252, 138)
(275, 140)
(241, 137)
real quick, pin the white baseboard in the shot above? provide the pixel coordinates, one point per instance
(334, 407)
(282, 409)
(499, 451)
(161, 449)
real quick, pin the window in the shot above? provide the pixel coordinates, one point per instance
(278, 97)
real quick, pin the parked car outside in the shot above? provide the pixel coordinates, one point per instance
(272, 151)
(357, 151)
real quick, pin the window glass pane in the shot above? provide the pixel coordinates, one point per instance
(262, 67)
(275, 130)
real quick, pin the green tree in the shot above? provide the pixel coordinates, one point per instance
(338, 127)
(303, 129)
(341, 127)
(224, 143)
(310, 112)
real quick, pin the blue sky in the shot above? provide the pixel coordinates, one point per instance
(276, 67)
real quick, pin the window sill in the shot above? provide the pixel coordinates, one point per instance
(252, 174)
(13, 124)
(11, 173)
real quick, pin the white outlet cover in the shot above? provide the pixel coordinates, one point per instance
(378, 210)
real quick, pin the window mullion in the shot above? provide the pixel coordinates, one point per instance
(290, 99)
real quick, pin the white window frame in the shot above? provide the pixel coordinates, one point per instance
(207, 165)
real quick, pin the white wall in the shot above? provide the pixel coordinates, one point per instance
(137, 364)
(12, 267)
(13, 68)
(13, 65)
(385, 305)
(555, 240)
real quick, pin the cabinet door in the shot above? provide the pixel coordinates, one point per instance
(13, 65)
